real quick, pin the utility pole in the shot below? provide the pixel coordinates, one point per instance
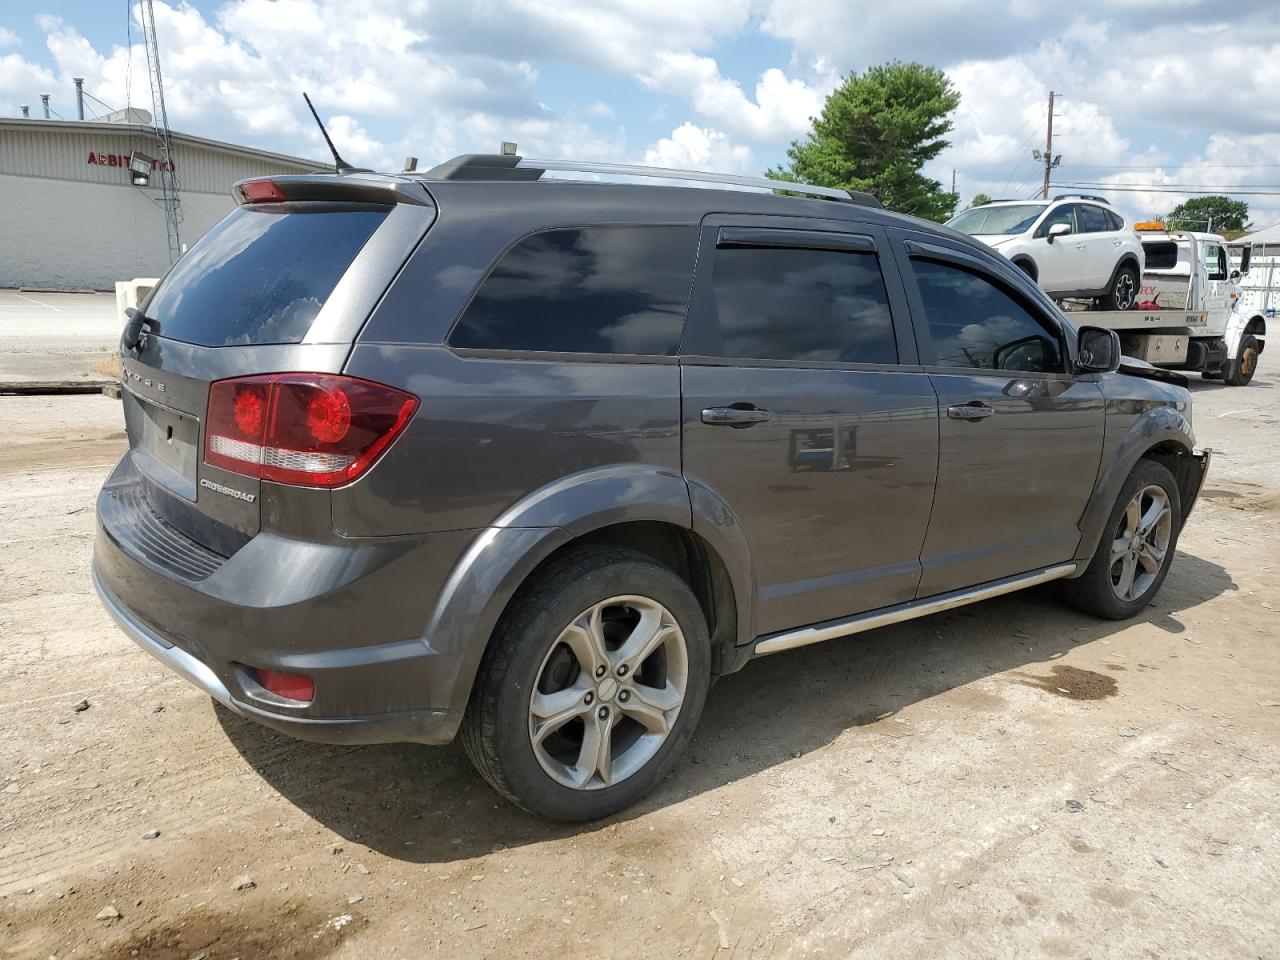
(953, 179)
(1047, 158)
(169, 186)
(79, 82)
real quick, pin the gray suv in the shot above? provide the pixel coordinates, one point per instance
(534, 461)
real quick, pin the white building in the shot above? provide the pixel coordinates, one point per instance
(71, 217)
(1260, 287)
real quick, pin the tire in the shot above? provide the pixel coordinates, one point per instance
(1027, 267)
(1123, 293)
(529, 664)
(1238, 372)
(1096, 591)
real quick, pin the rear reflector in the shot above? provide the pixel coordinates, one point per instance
(291, 686)
(261, 191)
(305, 429)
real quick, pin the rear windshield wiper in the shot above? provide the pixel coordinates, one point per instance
(136, 329)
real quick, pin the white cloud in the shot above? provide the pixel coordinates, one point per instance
(1156, 91)
(780, 112)
(692, 147)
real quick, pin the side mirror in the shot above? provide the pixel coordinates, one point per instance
(1058, 230)
(1235, 274)
(1098, 350)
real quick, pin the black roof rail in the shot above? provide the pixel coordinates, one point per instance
(483, 166)
(1082, 196)
(494, 166)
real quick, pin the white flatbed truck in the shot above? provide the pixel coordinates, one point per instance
(1190, 315)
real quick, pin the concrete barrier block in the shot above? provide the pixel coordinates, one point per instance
(129, 293)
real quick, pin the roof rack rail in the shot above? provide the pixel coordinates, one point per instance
(510, 167)
(1081, 196)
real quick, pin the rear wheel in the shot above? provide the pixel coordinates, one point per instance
(1124, 290)
(1238, 372)
(1136, 548)
(592, 685)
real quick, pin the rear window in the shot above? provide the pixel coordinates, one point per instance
(615, 290)
(261, 275)
(1161, 254)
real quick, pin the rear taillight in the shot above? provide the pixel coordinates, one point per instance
(306, 429)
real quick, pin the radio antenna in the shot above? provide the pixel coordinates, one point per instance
(339, 165)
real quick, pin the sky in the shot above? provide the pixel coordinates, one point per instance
(1156, 96)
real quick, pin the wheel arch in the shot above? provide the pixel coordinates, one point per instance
(1163, 435)
(1240, 326)
(649, 509)
(1025, 263)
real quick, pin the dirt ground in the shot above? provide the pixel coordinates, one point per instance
(1011, 779)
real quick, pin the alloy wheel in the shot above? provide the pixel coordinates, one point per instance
(1126, 290)
(608, 692)
(1141, 542)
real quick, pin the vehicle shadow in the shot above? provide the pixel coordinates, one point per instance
(426, 804)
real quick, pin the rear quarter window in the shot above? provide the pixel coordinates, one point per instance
(610, 290)
(262, 274)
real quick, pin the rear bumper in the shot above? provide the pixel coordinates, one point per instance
(421, 726)
(351, 614)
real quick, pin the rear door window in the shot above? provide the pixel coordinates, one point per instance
(603, 290)
(789, 303)
(1092, 219)
(262, 274)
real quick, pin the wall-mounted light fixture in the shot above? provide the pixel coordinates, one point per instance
(140, 167)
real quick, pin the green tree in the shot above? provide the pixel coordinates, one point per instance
(1211, 214)
(875, 133)
(979, 200)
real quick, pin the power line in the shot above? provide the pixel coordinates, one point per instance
(1162, 166)
(1191, 186)
(1132, 189)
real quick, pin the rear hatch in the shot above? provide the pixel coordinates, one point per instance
(283, 283)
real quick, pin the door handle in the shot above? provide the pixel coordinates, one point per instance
(973, 410)
(737, 415)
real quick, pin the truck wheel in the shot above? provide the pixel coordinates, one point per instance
(591, 687)
(1239, 372)
(1124, 290)
(1136, 548)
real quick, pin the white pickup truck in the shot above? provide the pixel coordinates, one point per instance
(1189, 315)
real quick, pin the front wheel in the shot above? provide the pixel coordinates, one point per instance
(1238, 372)
(592, 685)
(1124, 290)
(1136, 548)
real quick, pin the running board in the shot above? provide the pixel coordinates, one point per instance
(907, 611)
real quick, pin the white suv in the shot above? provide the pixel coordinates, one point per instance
(1073, 246)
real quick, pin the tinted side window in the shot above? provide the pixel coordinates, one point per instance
(1092, 219)
(585, 290)
(1114, 220)
(801, 304)
(974, 323)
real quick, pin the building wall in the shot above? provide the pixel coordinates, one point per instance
(70, 218)
(63, 235)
